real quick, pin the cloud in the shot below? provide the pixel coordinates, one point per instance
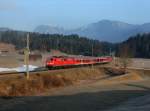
(8, 5)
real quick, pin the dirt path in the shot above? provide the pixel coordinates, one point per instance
(136, 104)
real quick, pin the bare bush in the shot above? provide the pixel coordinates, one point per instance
(125, 58)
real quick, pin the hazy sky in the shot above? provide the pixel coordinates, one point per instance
(27, 14)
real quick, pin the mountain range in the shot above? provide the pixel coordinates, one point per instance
(104, 30)
(2, 29)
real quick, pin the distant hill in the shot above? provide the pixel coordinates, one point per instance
(45, 29)
(4, 29)
(105, 30)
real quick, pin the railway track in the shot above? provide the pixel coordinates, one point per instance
(44, 69)
(40, 69)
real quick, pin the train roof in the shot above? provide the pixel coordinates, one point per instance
(78, 57)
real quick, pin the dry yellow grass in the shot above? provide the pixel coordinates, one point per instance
(132, 76)
(36, 85)
(40, 82)
(81, 73)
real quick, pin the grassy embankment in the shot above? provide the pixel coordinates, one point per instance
(41, 82)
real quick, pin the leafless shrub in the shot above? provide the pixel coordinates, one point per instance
(52, 81)
(125, 57)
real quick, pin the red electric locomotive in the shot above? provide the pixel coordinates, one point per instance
(64, 61)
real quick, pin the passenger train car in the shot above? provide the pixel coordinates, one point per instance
(65, 61)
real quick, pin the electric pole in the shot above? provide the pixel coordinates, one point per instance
(110, 54)
(57, 44)
(92, 55)
(27, 50)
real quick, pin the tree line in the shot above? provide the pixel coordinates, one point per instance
(136, 46)
(71, 44)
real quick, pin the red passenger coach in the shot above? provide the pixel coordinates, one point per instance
(64, 61)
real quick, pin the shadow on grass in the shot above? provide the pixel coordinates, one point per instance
(98, 101)
(113, 72)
